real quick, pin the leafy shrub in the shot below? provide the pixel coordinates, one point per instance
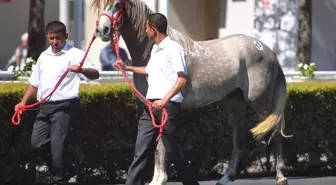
(102, 141)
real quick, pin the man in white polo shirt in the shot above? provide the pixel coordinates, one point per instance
(53, 120)
(166, 70)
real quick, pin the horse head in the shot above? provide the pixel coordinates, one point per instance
(110, 17)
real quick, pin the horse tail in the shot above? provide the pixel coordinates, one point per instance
(278, 106)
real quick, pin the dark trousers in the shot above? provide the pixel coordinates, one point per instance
(50, 133)
(145, 146)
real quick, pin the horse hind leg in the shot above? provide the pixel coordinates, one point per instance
(279, 166)
(236, 120)
(160, 176)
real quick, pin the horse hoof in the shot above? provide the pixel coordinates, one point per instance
(153, 182)
(225, 180)
(282, 182)
(158, 181)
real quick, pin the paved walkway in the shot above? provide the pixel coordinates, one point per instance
(271, 181)
(265, 181)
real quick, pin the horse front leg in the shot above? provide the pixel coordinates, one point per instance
(156, 167)
(160, 176)
(236, 120)
(279, 166)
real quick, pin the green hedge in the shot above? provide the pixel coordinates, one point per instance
(103, 138)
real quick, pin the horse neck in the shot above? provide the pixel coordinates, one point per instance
(134, 34)
(139, 49)
(138, 45)
(136, 50)
(135, 47)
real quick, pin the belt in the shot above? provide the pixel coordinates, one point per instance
(170, 101)
(60, 101)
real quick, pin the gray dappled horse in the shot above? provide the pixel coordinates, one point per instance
(238, 69)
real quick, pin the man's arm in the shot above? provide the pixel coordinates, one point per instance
(34, 82)
(178, 61)
(179, 84)
(30, 93)
(135, 69)
(88, 69)
(139, 70)
(90, 73)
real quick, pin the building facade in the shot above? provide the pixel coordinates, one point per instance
(276, 26)
(203, 19)
(198, 19)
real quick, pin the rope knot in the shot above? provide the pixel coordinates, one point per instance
(17, 115)
(116, 36)
(16, 118)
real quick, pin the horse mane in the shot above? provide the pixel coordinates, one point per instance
(186, 42)
(96, 4)
(137, 12)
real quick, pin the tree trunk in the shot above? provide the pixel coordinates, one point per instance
(37, 40)
(304, 36)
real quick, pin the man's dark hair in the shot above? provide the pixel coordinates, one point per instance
(159, 21)
(56, 27)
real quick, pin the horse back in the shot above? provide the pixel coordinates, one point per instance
(218, 67)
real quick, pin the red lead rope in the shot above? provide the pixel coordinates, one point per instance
(164, 117)
(116, 35)
(21, 109)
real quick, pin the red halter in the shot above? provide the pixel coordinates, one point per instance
(116, 18)
(116, 35)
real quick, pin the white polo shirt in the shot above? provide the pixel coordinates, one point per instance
(167, 59)
(49, 69)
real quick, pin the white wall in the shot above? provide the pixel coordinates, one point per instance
(323, 35)
(188, 16)
(277, 27)
(238, 18)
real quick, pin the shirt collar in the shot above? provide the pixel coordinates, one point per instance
(163, 43)
(65, 49)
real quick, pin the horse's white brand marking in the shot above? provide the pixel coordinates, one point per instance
(258, 45)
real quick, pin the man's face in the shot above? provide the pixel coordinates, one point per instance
(150, 31)
(25, 42)
(56, 40)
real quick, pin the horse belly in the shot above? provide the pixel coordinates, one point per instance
(199, 97)
(208, 86)
(214, 72)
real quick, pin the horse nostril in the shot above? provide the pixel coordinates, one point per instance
(97, 31)
(105, 30)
